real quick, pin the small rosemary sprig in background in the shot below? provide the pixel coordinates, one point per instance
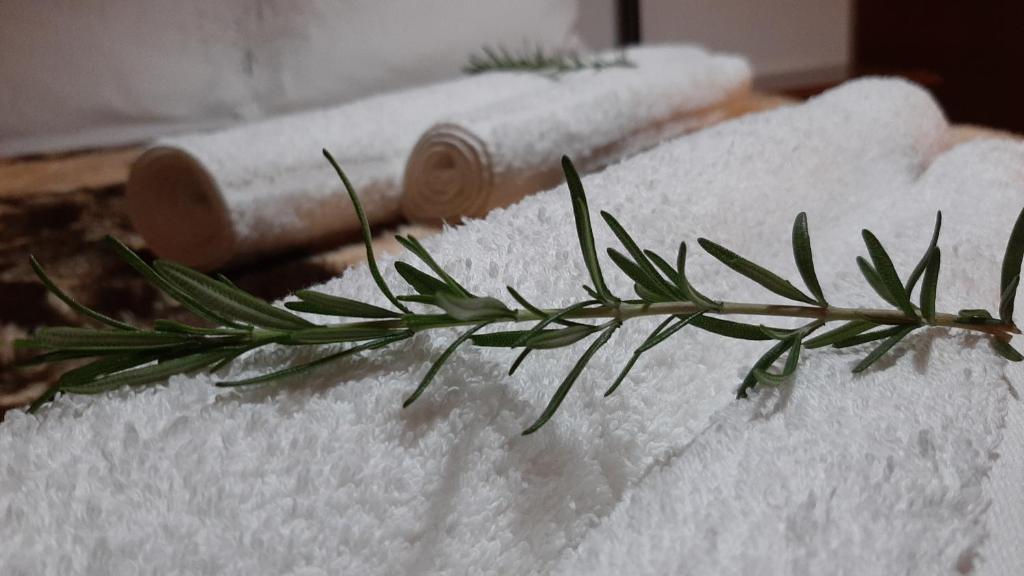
(501, 59)
(125, 355)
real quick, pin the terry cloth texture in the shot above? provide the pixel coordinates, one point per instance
(839, 474)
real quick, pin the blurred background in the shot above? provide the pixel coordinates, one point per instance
(85, 85)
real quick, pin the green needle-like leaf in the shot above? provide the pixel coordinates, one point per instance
(915, 275)
(1006, 301)
(1011, 267)
(866, 337)
(692, 294)
(555, 317)
(758, 274)
(414, 246)
(72, 338)
(1004, 349)
(364, 228)
(805, 259)
(473, 308)
(226, 300)
(104, 366)
(328, 305)
(661, 333)
(657, 283)
(519, 360)
(874, 280)
(560, 338)
(71, 302)
(161, 283)
(355, 332)
(436, 366)
(928, 289)
(585, 231)
(732, 329)
(882, 348)
(762, 363)
(148, 374)
(533, 309)
(303, 368)
(887, 274)
(574, 374)
(846, 330)
(637, 274)
(766, 378)
(420, 281)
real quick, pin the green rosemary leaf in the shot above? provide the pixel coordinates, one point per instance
(976, 316)
(657, 283)
(180, 328)
(355, 332)
(915, 275)
(692, 294)
(56, 356)
(1011, 266)
(413, 245)
(364, 227)
(841, 332)
(648, 296)
(805, 258)
(558, 338)
(226, 300)
(1006, 300)
(638, 275)
(674, 283)
(147, 374)
(778, 333)
(419, 299)
(865, 337)
(766, 378)
(766, 360)
(229, 356)
(758, 274)
(1004, 349)
(46, 398)
(566, 385)
(328, 305)
(73, 338)
(875, 281)
(661, 333)
(928, 289)
(502, 339)
(161, 283)
(584, 231)
(71, 302)
(882, 348)
(436, 366)
(555, 317)
(535, 310)
(302, 368)
(887, 274)
(104, 366)
(519, 360)
(420, 281)
(731, 329)
(473, 308)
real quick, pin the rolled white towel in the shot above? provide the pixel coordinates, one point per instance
(209, 199)
(491, 156)
(878, 473)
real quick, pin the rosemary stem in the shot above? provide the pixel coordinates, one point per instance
(625, 311)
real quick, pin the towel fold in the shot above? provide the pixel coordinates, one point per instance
(495, 155)
(211, 199)
(833, 473)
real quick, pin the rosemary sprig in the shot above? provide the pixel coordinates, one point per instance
(125, 356)
(501, 59)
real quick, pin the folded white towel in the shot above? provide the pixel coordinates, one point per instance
(210, 199)
(490, 156)
(835, 474)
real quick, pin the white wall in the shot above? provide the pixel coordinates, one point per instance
(783, 39)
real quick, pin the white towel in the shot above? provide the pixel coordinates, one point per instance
(840, 474)
(490, 156)
(210, 199)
